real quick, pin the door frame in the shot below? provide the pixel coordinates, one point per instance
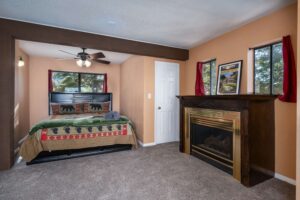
(155, 99)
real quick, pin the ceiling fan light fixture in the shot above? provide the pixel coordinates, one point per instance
(79, 62)
(83, 63)
(88, 63)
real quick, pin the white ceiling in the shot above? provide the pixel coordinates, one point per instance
(178, 23)
(53, 51)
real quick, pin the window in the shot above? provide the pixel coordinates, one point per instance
(209, 77)
(77, 82)
(91, 82)
(65, 82)
(268, 69)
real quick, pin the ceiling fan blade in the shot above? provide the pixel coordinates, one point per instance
(98, 55)
(102, 61)
(68, 53)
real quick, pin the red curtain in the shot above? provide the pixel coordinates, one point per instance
(289, 72)
(50, 86)
(199, 86)
(105, 84)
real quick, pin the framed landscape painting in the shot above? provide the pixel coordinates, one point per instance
(229, 78)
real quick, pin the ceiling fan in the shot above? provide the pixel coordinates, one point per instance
(84, 59)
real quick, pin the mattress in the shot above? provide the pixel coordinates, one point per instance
(77, 131)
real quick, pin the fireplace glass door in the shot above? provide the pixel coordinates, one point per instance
(214, 140)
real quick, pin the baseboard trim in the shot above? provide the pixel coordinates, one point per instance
(285, 179)
(146, 144)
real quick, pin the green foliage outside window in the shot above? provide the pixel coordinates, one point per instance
(209, 77)
(268, 69)
(206, 77)
(213, 74)
(65, 82)
(277, 69)
(92, 83)
(77, 82)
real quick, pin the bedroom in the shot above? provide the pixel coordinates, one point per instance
(57, 64)
(263, 30)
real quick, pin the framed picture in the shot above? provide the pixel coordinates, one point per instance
(229, 78)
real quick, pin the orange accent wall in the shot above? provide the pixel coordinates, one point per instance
(234, 46)
(39, 82)
(137, 80)
(132, 89)
(21, 119)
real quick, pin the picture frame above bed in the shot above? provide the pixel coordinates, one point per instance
(74, 98)
(229, 78)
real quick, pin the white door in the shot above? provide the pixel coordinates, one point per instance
(166, 103)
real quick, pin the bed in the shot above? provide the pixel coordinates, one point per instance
(77, 126)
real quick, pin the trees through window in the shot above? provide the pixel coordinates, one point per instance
(77, 82)
(209, 77)
(268, 69)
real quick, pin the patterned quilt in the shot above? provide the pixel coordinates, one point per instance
(63, 132)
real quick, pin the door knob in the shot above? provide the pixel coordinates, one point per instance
(159, 108)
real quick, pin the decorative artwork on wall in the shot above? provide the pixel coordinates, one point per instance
(229, 78)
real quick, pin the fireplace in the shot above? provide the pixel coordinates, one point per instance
(235, 133)
(215, 138)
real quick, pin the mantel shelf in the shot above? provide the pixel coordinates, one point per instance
(248, 97)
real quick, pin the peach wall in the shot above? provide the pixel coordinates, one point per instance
(234, 46)
(21, 120)
(39, 82)
(137, 81)
(132, 88)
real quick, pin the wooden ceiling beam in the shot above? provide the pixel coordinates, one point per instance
(47, 34)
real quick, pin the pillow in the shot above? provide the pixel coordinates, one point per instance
(60, 109)
(101, 107)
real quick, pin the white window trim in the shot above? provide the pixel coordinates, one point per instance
(250, 66)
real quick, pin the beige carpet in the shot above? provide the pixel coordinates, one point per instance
(158, 172)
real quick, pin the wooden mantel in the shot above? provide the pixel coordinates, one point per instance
(257, 130)
(241, 97)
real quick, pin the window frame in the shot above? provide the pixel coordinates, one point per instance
(271, 66)
(210, 73)
(79, 81)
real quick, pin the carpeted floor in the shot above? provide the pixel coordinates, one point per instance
(158, 172)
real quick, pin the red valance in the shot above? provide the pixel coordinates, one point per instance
(50, 86)
(199, 86)
(105, 83)
(289, 72)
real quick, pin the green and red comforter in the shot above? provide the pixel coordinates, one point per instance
(63, 132)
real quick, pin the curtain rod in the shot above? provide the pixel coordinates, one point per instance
(277, 40)
(207, 60)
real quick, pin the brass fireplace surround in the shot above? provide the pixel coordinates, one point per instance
(226, 120)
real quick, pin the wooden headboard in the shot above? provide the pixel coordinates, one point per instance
(57, 97)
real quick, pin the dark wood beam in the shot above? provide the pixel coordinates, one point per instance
(7, 77)
(40, 33)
